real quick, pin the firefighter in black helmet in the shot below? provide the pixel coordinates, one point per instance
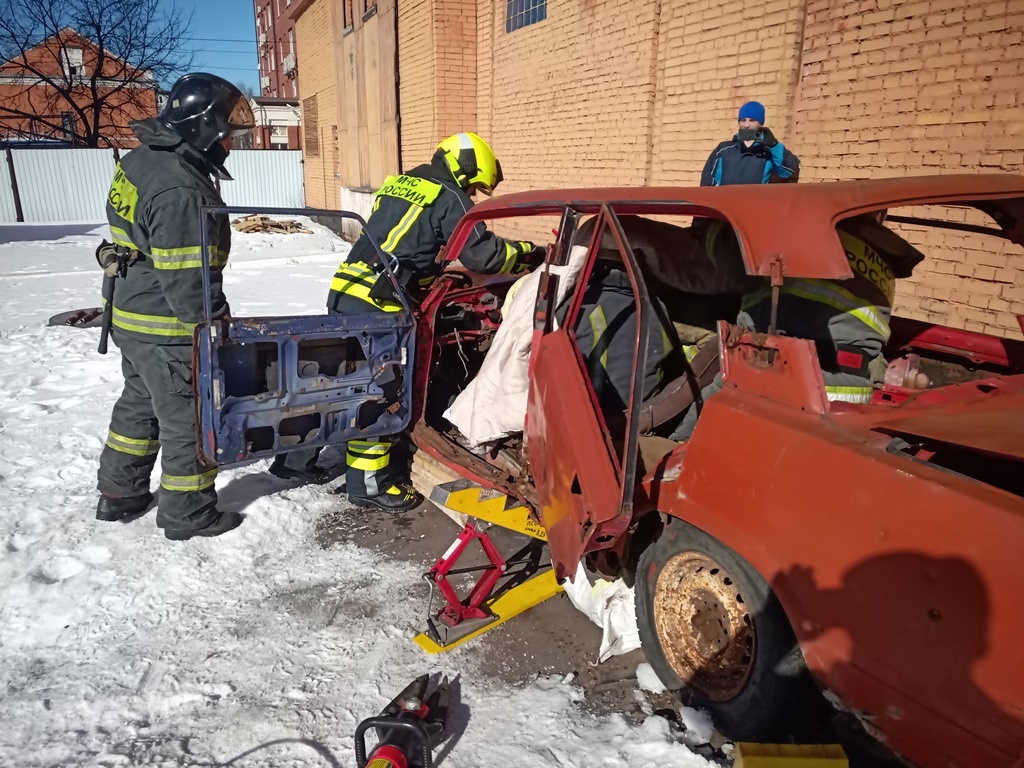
(153, 211)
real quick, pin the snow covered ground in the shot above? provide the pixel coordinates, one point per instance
(257, 648)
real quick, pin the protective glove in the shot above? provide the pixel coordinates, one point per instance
(766, 138)
(531, 254)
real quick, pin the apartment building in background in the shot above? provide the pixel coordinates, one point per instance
(275, 42)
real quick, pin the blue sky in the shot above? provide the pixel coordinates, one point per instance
(223, 37)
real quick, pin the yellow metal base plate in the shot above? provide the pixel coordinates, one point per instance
(489, 505)
(532, 592)
(790, 756)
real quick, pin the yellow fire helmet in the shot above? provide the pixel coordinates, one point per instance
(472, 161)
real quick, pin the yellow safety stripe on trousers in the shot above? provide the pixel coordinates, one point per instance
(121, 237)
(368, 456)
(356, 280)
(186, 483)
(401, 229)
(153, 325)
(827, 292)
(849, 394)
(690, 350)
(132, 445)
(190, 257)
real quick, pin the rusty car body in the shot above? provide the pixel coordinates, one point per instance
(888, 538)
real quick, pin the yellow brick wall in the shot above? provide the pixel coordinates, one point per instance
(416, 67)
(711, 59)
(602, 94)
(914, 88)
(437, 74)
(314, 41)
(857, 88)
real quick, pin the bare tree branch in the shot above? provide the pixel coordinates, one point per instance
(129, 46)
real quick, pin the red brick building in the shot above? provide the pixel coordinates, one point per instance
(44, 93)
(276, 48)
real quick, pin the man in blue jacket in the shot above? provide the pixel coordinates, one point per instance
(752, 156)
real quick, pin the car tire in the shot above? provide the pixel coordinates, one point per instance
(739, 658)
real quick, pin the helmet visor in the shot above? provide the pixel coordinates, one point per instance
(241, 118)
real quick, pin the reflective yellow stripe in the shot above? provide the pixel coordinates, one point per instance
(690, 350)
(401, 228)
(599, 327)
(154, 325)
(865, 261)
(123, 196)
(368, 465)
(186, 483)
(367, 455)
(510, 259)
(121, 237)
(356, 280)
(850, 394)
(714, 228)
(176, 258)
(132, 445)
(371, 447)
(413, 189)
(827, 292)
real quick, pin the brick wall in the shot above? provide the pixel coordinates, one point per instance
(314, 39)
(928, 87)
(438, 74)
(417, 65)
(595, 95)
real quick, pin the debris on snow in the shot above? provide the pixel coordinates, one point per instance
(648, 679)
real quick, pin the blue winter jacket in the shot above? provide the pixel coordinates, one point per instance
(734, 163)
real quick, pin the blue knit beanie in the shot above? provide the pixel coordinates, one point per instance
(753, 110)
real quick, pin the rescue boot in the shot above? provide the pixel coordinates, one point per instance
(112, 509)
(311, 475)
(394, 499)
(227, 521)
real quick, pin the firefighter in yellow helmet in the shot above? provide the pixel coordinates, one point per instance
(413, 216)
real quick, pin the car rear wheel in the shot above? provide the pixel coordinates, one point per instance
(712, 627)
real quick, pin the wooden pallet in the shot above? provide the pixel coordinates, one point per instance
(259, 223)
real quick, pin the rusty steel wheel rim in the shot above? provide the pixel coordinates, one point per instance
(704, 625)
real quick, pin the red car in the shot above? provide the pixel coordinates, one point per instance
(878, 546)
(874, 552)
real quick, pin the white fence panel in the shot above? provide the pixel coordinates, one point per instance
(67, 185)
(8, 211)
(71, 185)
(265, 179)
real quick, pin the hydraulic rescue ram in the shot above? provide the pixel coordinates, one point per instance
(408, 729)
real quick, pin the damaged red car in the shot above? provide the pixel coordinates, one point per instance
(875, 546)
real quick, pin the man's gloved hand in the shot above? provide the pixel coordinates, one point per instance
(531, 254)
(766, 138)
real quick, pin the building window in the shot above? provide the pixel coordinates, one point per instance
(311, 139)
(68, 121)
(72, 63)
(291, 40)
(368, 6)
(520, 13)
(346, 15)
